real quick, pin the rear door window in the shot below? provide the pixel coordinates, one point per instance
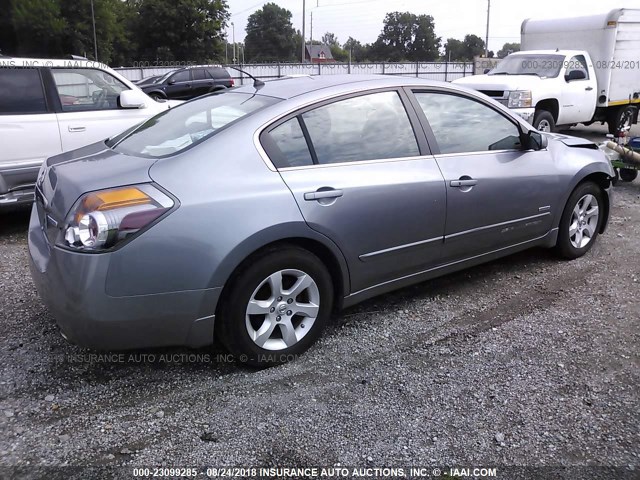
(368, 127)
(21, 91)
(200, 74)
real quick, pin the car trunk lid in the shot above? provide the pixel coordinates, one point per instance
(65, 177)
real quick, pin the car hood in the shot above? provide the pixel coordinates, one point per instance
(65, 177)
(501, 82)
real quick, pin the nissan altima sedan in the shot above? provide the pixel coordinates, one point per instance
(254, 214)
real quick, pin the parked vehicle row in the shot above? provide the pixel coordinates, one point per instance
(187, 83)
(575, 70)
(53, 106)
(258, 211)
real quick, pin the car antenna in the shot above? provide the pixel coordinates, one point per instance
(257, 84)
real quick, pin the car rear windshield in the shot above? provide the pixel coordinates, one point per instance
(186, 125)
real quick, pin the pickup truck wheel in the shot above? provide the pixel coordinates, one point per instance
(628, 174)
(622, 119)
(544, 122)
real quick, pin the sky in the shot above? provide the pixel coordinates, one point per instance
(363, 19)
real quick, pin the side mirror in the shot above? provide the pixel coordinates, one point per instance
(575, 75)
(536, 141)
(133, 99)
(487, 70)
(171, 82)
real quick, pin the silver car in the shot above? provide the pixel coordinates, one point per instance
(255, 213)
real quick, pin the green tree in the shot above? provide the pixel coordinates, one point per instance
(358, 52)
(330, 39)
(463, 50)
(454, 50)
(508, 48)
(406, 36)
(270, 35)
(473, 46)
(38, 27)
(181, 30)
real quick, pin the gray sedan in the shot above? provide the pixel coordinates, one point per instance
(256, 213)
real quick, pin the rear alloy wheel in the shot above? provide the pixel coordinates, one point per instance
(544, 122)
(580, 221)
(276, 307)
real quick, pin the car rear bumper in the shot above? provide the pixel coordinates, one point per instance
(72, 286)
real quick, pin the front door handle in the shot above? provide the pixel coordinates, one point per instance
(588, 89)
(320, 194)
(463, 183)
(77, 129)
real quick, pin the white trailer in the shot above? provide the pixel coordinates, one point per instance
(612, 41)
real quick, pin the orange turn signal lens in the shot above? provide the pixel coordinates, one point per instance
(111, 199)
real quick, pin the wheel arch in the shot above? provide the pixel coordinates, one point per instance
(551, 105)
(598, 177)
(321, 246)
(157, 92)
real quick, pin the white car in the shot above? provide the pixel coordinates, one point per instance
(52, 106)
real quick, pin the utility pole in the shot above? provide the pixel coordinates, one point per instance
(486, 44)
(95, 42)
(311, 41)
(304, 5)
(233, 29)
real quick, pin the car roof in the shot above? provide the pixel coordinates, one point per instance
(289, 87)
(50, 62)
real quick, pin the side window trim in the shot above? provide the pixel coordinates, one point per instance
(307, 138)
(424, 147)
(427, 126)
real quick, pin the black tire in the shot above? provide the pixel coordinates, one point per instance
(616, 177)
(564, 246)
(231, 326)
(621, 117)
(628, 174)
(544, 122)
(157, 97)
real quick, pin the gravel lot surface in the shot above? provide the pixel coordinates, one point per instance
(524, 361)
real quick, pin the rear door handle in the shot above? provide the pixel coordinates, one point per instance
(319, 194)
(77, 129)
(463, 183)
(588, 89)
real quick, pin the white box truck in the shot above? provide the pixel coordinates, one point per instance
(570, 71)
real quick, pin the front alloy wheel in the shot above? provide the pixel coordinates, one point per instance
(584, 221)
(581, 220)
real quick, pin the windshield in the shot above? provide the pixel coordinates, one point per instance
(163, 78)
(541, 65)
(186, 125)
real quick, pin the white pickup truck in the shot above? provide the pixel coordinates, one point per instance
(570, 71)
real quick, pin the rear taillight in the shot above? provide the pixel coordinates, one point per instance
(232, 82)
(100, 220)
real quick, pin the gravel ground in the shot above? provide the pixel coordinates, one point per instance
(524, 361)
